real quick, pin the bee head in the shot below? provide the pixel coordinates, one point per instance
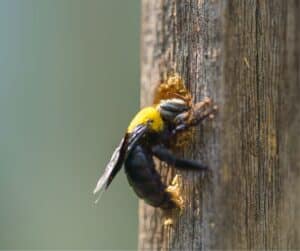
(173, 110)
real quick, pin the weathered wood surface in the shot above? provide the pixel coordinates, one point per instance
(245, 55)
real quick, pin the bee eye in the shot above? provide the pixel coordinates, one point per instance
(171, 108)
(174, 105)
(181, 117)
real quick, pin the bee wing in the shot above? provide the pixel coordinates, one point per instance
(118, 157)
(113, 164)
(133, 137)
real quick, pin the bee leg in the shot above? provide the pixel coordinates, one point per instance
(201, 111)
(173, 191)
(165, 155)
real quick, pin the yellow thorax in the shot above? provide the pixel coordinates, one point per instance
(144, 116)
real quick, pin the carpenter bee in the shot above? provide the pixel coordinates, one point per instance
(151, 133)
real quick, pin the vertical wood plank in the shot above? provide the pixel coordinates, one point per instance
(245, 55)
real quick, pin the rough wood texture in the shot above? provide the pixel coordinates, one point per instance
(245, 55)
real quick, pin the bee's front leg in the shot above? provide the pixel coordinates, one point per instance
(199, 112)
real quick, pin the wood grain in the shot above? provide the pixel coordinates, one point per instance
(244, 55)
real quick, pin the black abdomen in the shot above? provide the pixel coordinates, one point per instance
(145, 180)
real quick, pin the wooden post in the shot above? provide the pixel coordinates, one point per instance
(245, 55)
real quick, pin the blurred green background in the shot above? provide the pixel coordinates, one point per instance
(69, 84)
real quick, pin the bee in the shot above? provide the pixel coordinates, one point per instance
(153, 132)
